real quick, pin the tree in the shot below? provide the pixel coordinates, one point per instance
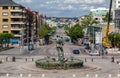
(75, 32)
(46, 32)
(114, 38)
(6, 37)
(88, 20)
(105, 19)
(1, 39)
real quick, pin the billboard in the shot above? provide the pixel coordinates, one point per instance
(98, 37)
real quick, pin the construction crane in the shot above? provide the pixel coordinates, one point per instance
(105, 41)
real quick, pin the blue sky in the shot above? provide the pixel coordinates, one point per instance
(63, 8)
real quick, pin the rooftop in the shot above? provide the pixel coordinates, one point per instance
(8, 3)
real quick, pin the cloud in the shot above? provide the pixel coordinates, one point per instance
(83, 1)
(94, 1)
(26, 1)
(69, 7)
(64, 7)
(53, 2)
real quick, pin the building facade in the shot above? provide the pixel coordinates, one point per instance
(12, 18)
(23, 23)
(116, 15)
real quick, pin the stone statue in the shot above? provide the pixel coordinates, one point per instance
(59, 44)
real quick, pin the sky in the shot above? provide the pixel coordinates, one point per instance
(63, 8)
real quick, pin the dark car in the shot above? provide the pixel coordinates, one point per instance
(76, 51)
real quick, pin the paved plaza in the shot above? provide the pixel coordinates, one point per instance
(24, 66)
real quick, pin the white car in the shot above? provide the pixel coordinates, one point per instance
(94, 53)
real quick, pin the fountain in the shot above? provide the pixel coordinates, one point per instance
(61, 62)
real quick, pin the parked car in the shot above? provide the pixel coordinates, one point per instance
(94, 53)
(76, 51)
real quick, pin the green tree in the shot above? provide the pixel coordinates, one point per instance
(88, 20)
(46, 32)
(75, 32)
(1, 39)
(6, 37)
(114, 39)
(105, 18)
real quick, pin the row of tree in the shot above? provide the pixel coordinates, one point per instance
(5, 39)
(46, 32)
(80, 30)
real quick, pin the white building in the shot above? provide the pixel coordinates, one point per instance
(99, 14)
(116, 14)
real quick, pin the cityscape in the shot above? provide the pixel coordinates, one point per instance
(60, 39)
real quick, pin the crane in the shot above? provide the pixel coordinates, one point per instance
(105, 41)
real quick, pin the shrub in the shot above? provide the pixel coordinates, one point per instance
(56, 65)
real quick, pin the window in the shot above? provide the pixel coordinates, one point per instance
(5, 20)
(16, 8)
(5, 26)
(5, 7)
(5, 31)
(5, 13)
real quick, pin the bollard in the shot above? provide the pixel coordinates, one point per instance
(87, 76)
(43, 75)
(92, 59)
(21, 75)
(96, 75)
(26, 59)
(85, 60)
(7, 75)
(32, 59)
(74, 75)
(13, 59)
(118, 75)
(29, 75)
(109, 75)
(113, 59)
(6, 59)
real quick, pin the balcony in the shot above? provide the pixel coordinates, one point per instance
(16, 29)
(16, 10)
(17, 35)
(18, 16)
(17, 22)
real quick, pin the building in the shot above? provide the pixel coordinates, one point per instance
(12, 18)
(116, 15)
(99, 14)
(23, 23)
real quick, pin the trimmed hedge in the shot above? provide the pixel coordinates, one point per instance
(56, 65)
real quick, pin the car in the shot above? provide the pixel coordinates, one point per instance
(94, 53)
(76, 51)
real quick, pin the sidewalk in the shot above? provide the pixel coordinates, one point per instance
(113, 51)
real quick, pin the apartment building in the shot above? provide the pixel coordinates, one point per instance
(116, 14)
(12, 18)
